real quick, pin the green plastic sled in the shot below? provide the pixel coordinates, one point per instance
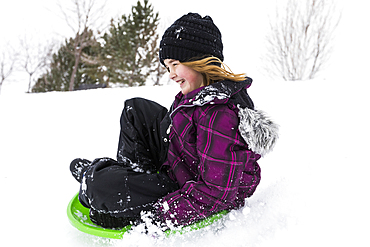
(78, 216)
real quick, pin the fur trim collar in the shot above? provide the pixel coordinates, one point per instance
(258, 130)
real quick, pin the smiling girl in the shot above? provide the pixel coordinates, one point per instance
(188, 78)
(192, 161)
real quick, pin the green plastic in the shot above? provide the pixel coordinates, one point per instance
(78, 216)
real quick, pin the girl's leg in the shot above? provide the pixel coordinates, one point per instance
(111, 189)
(140, 143)
(119, 190)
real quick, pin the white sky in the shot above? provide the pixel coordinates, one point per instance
(242, 23)
(42, 18)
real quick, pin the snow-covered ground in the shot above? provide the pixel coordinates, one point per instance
(314, 184)
(313, 189)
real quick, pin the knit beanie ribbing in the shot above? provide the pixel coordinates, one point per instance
(189, 37)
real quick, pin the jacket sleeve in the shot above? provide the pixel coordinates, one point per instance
(223, 155)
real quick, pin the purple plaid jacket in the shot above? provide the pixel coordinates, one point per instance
(216, 138)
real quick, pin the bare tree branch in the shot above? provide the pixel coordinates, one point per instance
(34, 56)
(8, 60)
(299, 42)
(84, 15)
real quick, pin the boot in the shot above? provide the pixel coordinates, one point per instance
(78, 167)
(108, 221)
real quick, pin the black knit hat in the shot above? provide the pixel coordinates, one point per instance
(189, 37)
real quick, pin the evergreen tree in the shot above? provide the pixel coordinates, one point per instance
(130, 47)
(57, 78)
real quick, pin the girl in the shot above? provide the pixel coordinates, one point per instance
(192, 161)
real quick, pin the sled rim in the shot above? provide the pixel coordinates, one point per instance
(199, 224)
(79, 217)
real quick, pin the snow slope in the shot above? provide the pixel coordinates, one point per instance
(314, 184)
(313, 189)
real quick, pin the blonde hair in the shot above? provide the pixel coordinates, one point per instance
(214, 70)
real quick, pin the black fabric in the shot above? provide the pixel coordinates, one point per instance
(164, 133)
(78, 167)
(108, 221)
(241, 98)
(123, 188)
(189, 37)
(140, 141)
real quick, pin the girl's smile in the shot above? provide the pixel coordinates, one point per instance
(187, 78)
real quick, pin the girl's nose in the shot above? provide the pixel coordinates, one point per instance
(172, 74)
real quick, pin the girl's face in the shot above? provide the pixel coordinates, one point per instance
(188, 78)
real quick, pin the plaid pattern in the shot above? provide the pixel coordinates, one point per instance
(209, 158)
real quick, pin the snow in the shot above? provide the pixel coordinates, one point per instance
(312, 189)
(314, 183)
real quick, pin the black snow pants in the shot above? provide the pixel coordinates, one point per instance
(124, 187)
